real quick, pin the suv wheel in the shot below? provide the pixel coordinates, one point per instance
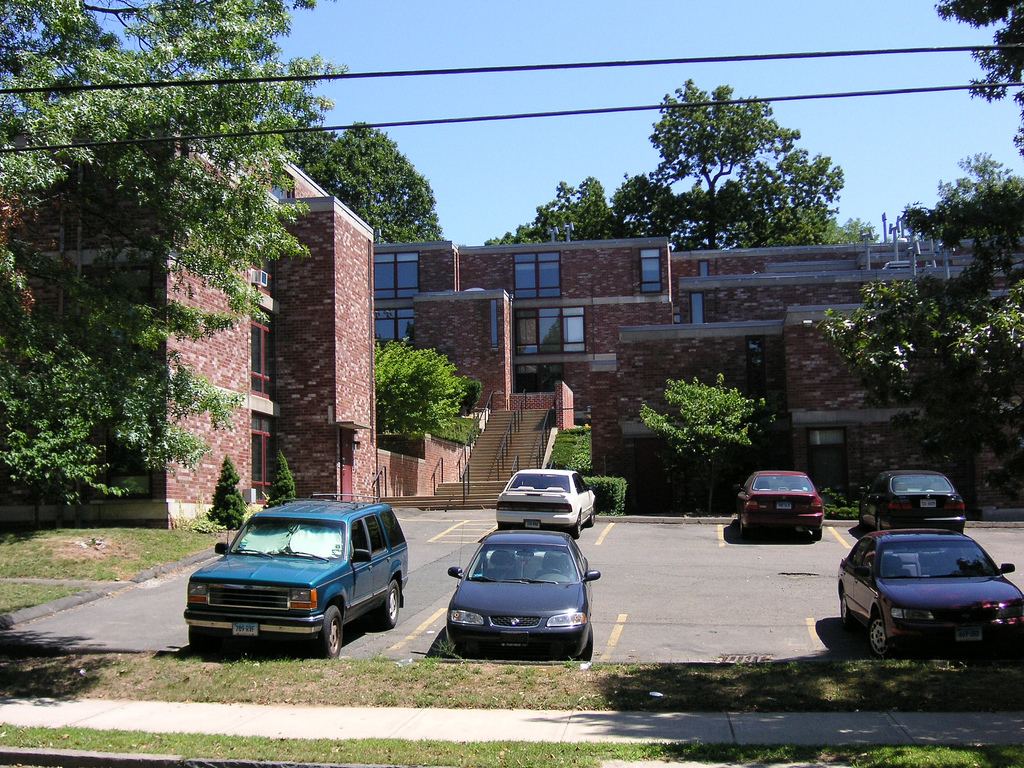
(387, 614)
(328, 642)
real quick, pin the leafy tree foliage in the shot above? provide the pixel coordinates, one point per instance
(949, 352)
(418, 390)
(229, 508)
(283, 488)
(585, 208)
(853, 231)
(729, 176)
(365, 170)
(1001, 66)
(711, 432)
(103, 244)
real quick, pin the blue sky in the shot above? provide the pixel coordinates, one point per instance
(490, 177)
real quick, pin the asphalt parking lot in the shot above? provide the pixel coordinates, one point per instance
(671, 591)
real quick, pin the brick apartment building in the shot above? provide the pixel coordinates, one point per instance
(600, 324)
(614, 320)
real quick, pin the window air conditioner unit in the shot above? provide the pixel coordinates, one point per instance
(250, 495)
(258, 277)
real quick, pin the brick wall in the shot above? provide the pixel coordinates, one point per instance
(415, 471)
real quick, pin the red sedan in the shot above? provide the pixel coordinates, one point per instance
(779, 499)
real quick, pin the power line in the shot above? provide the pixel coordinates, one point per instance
(79, 88)
(514, 116)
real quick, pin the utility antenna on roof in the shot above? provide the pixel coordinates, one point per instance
(569, 227)
(553, 231)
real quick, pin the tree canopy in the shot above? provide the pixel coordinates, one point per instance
(712, 428)
(418, 390)
(729, 176)
(949, 353)
(101, 240)
(365, 170)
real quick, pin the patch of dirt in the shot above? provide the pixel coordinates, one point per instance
(93, 549)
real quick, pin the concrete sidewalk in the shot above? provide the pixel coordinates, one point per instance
(805, 728)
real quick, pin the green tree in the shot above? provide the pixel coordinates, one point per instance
(418, 390)
(585, 208)
(730, 176)
(365, 170)
(1001, 66)
(283, 488)
(712, 428)
(853, 231)
(229, 508)
(949, 353)
(85, 318)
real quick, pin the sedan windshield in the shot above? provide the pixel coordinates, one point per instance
(936, 560)
(297, 538)
(524, 563)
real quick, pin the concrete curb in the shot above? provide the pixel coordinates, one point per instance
(74, 758)
(9, 620)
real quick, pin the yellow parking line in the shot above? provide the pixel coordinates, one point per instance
(613, 639)
(603, 534)
(419, 630)
(721, 535)
(839, 538)
(812, 631)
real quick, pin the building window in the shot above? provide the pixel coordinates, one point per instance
(127, 471)
(393, 324)
(757, 371)
(537, 275)
(555, 329)
(696, 307)
(395, 275)
(826, 459)
(537, 378)
(494, 323)
(262, 357)
(704, 268)
(262, 456)
(650, 270)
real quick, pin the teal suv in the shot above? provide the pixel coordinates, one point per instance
(300, 572)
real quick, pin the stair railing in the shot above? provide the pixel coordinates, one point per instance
(434, 474)
(545, 435)
(379, 484)
(497, 470)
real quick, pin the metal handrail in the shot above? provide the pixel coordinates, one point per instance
(380, 482)
(433, 476)
(545, 434)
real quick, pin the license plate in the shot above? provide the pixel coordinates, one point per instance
(515, 639)
(245, 629)
(968, 634)
(783, 504)
(532, 523)
(927, 503)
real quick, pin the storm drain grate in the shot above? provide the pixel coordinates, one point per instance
(744, 658)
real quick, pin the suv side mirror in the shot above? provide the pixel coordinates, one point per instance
(221, 548)
(360, 555)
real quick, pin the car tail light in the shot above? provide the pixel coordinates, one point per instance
(904, 505)
(752, 505)
(817, 505)
(955, 503)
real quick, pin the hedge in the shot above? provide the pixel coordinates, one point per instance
(609, 495)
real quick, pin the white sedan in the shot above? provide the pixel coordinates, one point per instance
(546, 498)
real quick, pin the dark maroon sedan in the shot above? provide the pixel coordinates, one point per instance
(914, 588)
(779, 499)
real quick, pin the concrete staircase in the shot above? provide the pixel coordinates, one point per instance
(489, 466)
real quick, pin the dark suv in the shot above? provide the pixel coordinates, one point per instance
(301, 571)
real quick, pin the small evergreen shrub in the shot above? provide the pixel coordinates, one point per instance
(283, 488)
(609, 495)
(572, 450)
(229, 509)
(838, 507)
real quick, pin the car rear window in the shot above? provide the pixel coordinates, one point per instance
(921, 484)
(540, 481)
(782, 483)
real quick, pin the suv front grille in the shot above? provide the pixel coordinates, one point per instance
(268, 598)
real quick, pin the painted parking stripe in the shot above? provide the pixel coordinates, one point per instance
(604, 533)
(471, 526)
(721, 535)
(812, 631)
(419, 630)
(839, 538)
(613, 639)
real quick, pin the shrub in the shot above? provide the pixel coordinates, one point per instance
(283, 488)
(609, 495)
(229, 509)
(838, 507)
(572, 450)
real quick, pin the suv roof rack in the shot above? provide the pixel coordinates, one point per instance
(353, 497)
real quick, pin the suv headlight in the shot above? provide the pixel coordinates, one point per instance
(575, 619)
(302, 598)
(465, 617)
(198, 592)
